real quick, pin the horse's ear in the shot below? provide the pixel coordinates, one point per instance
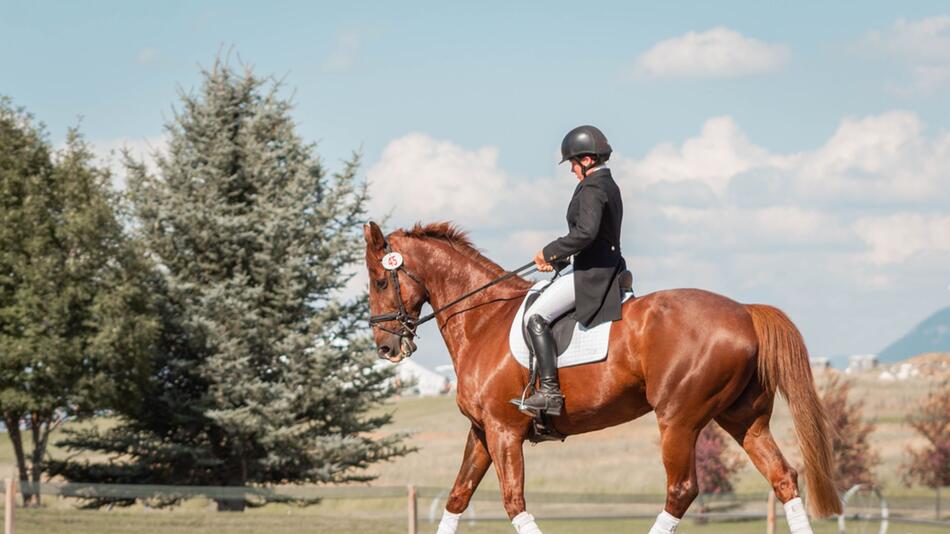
(374, 236)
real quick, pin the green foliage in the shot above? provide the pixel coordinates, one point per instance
(265, 374)
(76, 321)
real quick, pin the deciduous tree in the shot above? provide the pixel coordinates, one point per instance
(855, 459)
(929, 465)
(77, 324)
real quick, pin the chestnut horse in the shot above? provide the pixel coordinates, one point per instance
(689, 355)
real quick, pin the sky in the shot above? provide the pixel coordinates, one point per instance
(796, 155)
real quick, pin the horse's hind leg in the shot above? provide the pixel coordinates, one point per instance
(475, 462)
(747, 420)
(678, 444)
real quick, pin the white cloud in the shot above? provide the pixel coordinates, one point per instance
(148, 56)
(716, 53)
(109, 153)
(924, 39)
(720, 152)
(428, 179)
(879, 159)
(345, 51)
(832, 234)
(922, 45)
(898, 237)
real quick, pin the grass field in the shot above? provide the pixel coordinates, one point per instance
(624, 459)
(179, 522)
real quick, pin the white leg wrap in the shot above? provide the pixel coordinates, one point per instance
(449, 523)
(796, 517)
(524, 524)
(665, 524)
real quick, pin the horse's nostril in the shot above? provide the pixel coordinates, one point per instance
(383, 351)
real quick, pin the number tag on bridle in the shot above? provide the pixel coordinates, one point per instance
(392, 261)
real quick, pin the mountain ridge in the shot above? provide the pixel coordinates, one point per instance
(930, 335)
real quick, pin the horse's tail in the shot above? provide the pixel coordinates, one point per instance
(783, 363)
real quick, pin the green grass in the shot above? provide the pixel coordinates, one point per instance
(47, 521)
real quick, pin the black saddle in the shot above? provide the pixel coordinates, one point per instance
(563, 326)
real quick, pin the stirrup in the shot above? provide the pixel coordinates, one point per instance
(553, 404)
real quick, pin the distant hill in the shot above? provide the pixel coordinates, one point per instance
(931, 335)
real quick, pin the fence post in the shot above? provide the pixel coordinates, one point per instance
(770, 515)
(413, 515)
(9, 499)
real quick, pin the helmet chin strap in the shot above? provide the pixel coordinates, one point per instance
(585, 168)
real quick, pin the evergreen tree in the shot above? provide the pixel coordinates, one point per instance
(76, 320)
(265, 375)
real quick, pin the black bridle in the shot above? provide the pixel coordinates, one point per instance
(407, 323)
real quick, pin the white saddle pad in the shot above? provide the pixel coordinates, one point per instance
(587, 344)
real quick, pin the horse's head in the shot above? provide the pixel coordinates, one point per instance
(396, 296)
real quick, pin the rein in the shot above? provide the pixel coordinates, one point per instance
(409, 323)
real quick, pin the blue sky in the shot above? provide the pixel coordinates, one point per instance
(796, 154)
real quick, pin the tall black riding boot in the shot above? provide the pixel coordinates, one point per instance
(547, 398)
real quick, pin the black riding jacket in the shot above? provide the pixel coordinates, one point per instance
(593, 219)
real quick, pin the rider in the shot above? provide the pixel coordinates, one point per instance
(593, 239)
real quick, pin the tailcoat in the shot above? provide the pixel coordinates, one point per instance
(593, 239)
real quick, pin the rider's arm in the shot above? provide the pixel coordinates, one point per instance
(592, 200)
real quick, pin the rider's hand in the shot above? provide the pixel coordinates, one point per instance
(541, 264)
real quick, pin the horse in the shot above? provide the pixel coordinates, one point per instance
(690, 356)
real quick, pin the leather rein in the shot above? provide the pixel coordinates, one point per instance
(392, 262)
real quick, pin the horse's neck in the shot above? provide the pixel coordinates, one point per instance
(450, 274)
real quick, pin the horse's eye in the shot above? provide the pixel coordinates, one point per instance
(381, 283)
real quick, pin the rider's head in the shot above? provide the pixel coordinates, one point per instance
(586, 147)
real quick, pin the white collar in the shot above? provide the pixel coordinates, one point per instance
(596, 168)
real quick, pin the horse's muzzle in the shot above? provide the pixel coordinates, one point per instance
(406, 347)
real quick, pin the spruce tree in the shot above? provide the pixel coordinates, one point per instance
(77, 322)
(265, 375)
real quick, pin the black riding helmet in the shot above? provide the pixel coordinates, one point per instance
(585, 140)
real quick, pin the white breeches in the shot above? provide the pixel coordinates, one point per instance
(556, 299)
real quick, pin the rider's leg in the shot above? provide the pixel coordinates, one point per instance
(553, 302)
(547, 397)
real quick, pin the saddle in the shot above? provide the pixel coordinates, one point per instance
(562, 328)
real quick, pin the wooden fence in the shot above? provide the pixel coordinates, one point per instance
(757, 506)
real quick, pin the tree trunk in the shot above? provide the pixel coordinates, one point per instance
(12, 421)
(230, 505)
(40, 427)
(235, 479)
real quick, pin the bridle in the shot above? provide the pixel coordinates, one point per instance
(408, 324)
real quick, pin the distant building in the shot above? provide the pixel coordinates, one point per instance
(861, 363)
(820, 363)
(419, 380)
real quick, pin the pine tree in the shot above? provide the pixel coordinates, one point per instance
(76, 320)
(265, 376)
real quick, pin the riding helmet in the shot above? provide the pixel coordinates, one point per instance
(585, 140)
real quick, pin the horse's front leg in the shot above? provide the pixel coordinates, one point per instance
(505, 446)
(475, 463)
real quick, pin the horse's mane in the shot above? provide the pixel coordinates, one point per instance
(455, 236)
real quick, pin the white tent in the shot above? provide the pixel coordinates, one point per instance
(425, 382)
